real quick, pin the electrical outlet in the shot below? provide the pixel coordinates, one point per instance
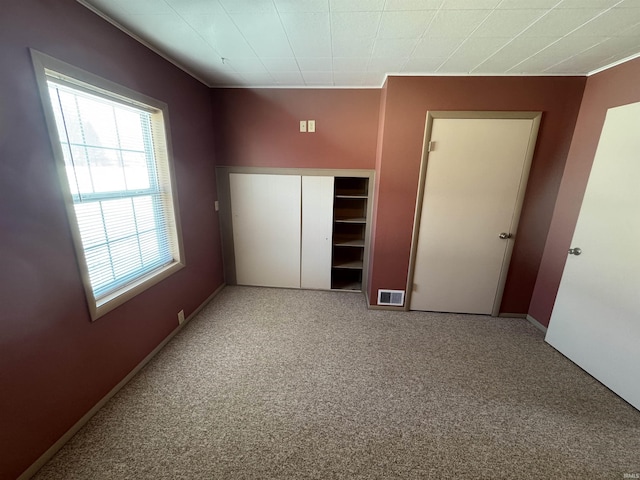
(180, 317)
(312, 126)
(216, 205)
(303, 126)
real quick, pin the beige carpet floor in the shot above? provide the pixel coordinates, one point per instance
(287, 384)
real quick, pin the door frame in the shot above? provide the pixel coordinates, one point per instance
(431, 116)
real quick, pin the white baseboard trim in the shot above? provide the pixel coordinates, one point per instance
(51, 451)
(536, 324)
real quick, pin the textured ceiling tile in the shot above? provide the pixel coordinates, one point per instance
(560, 22)
(375, 79)
(389, 64)
(356, 47)
(580, 62)
(246, 64)
(221, 33)
(495, 65)
(440, 47)
(512, 53)
(456, 23)
(557, 52)
(405, 24)
(288, 78)
(271, 46)
(471, 53)
(318, 64)
(303, 47)
(355, 24)
(174, 34)
(302, 5)
(524, 47)
(469, 4)
(279, 64)
(633, 31)
(480, 47)
(457, 65)
(350, 64)
(197, 7)
(264, 32)
(576, 67)
(318, 78)
(522, 4)
(394, 47)
(223, 79)
(412, 4)
(418, 64)
(628, 4)
(259, 79)
(258, 24)
(306, 25)
(308, 33)
(356, 5)
(348, 78)
(507, 23)
(613, 46)
(628, 55)
(533, 66)
(248, 6)
(138, 7)
(588, 4)
(611, 22)
(577, 35)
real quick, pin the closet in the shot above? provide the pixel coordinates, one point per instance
(295, 228)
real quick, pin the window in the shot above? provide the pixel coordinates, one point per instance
(115, 166)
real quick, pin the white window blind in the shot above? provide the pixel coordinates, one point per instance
(117, 168)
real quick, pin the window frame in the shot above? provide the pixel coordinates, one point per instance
(46, 66)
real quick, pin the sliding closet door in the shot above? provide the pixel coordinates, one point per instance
(265, 214)
(317, 229)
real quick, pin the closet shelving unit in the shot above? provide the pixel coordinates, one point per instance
(349, 232)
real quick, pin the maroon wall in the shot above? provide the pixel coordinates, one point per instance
(407, 103)
(261, 127)
(54, 363)
(611, 88)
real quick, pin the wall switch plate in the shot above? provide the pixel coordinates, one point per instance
(180, 317)
(303, 125)
(312, 125)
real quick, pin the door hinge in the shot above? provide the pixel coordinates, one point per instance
(415, 287)
(431, 146)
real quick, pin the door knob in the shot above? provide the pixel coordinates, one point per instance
(505, 235)
(575, 251)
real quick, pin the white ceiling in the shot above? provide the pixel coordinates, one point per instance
(355, 43)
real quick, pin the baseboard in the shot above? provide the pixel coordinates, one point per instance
(51, 451)
(513, 315)
(536, 324)
(390, 308)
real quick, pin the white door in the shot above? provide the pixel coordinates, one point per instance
(317, 228)
(475, 178)
(265, 214)
(596, 316)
